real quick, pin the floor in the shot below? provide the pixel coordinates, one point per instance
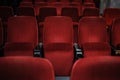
(62, 78)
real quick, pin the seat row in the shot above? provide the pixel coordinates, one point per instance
(109, 13)
(58, 42)
(57, 1)
(29, 68)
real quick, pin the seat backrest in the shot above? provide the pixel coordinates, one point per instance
(39, 0)
(110, 14)
(80, 1)
(89, 1)
(115, 39)
(25, 68)
(46, 11)
(26, 0)
(26, 11)
(96, 68)
(54, 29)
(29, 4)
(91, 11)
(64, 0)
(51, 0)
(88, 4)
(58, 43)
(22, 29)
(71, 12)
(5, 13)
(92, 29)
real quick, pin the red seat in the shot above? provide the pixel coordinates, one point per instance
(80, 1)
(43, 13)
(72, 12)
(87, 5)
(75, 3)
(51, 0)
(64, 1)
(29, 4)
(92, 36)
(26, 0)
(21, 32)
(39, 0)
(89, 1)
(58, 43)
(97, 68)
(25, 68)
(18, 49)
(26, 11)
(91, 11)
(110, 14)
(38, 5)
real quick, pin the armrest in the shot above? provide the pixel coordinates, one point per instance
(78, 51)
(38, 51)
(115, 51)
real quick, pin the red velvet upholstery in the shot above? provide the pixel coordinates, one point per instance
(26, 0)
(26, 11)
(58, 43)
(29, 4)
(43, 13)
(110, 14)
(97, 68)
(75, 3)
(22, 29)
(92, 35)
(91, 11)
(39, 0)
(38, 5)
(96, 49)
(71, 12)
(92, 29)
(25, 27)
(25, 68)
(89, 1)
(74, 13)
(51, 0)
(18, 49)
(80, 1)
(64, 1)
(46, 11)
(88, 4)
(115, 33)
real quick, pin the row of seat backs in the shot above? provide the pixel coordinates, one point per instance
(57, 39)
(84, 22)
(72, 12)
(109, 13)
(62, 2)
(96, 68)
(24, 68)
(54, 39)
(58, 1)
(86, 33)
(58, 6)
